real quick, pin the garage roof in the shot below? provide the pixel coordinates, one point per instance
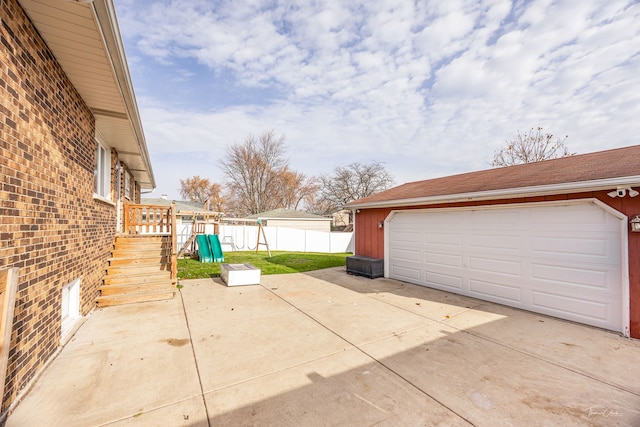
(604, 170)
(85, 39)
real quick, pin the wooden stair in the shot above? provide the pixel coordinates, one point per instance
(139, 271)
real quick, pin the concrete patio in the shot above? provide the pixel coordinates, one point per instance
(326, 348)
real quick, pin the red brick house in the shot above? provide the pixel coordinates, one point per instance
(72, 151)
(552, 237)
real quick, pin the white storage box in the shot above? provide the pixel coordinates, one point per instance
(239, 274)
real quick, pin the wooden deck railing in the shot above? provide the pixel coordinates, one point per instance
(147, 219)
(154, 220)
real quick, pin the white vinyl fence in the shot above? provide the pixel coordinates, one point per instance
(245, 238)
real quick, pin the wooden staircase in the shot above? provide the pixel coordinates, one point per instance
(139, 271)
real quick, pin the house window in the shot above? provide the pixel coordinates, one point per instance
(127, 185)
(102, 172)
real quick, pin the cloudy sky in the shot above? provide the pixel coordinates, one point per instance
(430, 88)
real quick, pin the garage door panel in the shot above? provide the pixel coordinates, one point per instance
(571, 216)
(576, 277)
(495, 292)
(406, 255)
(406, 273)
(597, 246)
(564, 261)
(443, 259)
(446, 240)
(444, 269)
(507, 244)
(444, 281)
(502, 220)
(596, 313)
(504, 267)
(407, 237)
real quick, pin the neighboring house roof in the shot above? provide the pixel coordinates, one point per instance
(181, 205)
(290, 214)
(85, 39)
(587, 172)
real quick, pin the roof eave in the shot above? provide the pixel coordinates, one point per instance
(65, 25)
(507, 193)
(105, 14)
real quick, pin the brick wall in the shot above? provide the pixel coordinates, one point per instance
(50, 225)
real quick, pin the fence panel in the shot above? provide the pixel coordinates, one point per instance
(245, 238)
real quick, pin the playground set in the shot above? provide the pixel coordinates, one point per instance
(209, 246)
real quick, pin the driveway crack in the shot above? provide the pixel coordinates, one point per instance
(370, 356)
(195, 360)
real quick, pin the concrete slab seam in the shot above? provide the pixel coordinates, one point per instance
(482, 337)
(388, 368)
(550, 362)
(150, 410)
(195, 359)
(266, 374)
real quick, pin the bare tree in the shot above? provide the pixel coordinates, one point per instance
(201, 190)
(533, 146)
(294, 188)
(316, 204)
(259, 178)
(350, 183)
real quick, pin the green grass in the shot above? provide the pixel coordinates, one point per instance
(279, 263)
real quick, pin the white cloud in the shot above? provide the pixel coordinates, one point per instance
(429, 87)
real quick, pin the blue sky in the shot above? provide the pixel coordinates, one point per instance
(429, 88)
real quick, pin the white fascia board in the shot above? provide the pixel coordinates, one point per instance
(509, 193)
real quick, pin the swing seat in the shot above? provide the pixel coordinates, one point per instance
(228, 240)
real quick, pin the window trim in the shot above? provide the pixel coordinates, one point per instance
(127, 185)
(102, 173)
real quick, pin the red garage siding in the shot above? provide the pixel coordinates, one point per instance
(369, 239)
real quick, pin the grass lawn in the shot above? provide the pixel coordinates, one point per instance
(280, 262)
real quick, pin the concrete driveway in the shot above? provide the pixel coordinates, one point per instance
(326, 348)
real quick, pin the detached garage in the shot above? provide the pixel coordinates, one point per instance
(551, 237)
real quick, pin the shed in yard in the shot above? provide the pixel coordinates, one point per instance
(291, 218)
(552, 237)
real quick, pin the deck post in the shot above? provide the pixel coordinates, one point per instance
(126, 218)
(174, 244)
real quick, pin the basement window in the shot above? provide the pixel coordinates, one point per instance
(70, 307)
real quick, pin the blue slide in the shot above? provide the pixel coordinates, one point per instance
(204, 250)
(214, 240)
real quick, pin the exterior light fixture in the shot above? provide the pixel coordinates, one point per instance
(381, 224)
(622, 191)
(635, 223)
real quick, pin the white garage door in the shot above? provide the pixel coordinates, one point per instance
(563, 261)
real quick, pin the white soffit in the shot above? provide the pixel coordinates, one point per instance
(85, 39)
